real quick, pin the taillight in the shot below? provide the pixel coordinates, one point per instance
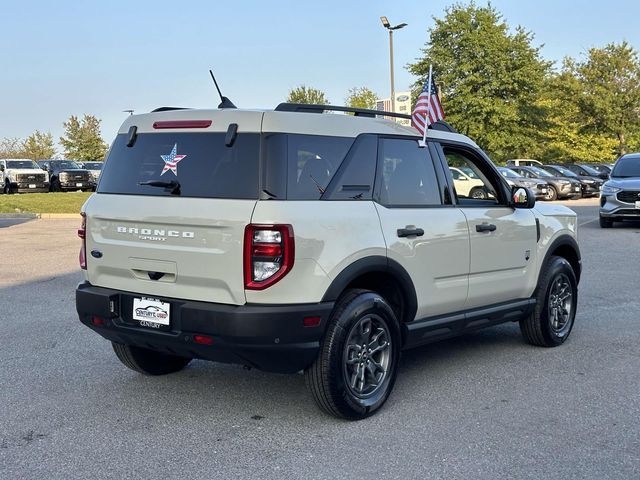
(268, 254)
(82, 233)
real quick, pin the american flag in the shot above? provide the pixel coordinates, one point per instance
(428, 108)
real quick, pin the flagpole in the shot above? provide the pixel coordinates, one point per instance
(426, 116)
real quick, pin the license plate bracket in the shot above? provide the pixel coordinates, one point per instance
(151, 313)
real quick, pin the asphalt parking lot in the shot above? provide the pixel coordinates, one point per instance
(482, 406)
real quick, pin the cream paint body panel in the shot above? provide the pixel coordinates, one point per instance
(555, 221)
(499, 269)
(329, 236)
(206, 266)
(438, 262)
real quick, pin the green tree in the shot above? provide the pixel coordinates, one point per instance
(39, 146)
(565, 137)
(309, 95)
(11, 147)
(491, 78)
(361, 97)
(82, 139)
(609, 97)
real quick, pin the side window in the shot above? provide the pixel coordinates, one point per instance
(312, 162)
(354, 179)
(408, 174)
(471, 177)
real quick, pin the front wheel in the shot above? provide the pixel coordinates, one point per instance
(148, 362)
(356, 367)
(552, 194)
(552, 319)
(478, 193)
(7, 188)
(606, 222)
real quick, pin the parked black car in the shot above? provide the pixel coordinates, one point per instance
(559, 187)
(67, 175)
(590, 186)
(583, 170)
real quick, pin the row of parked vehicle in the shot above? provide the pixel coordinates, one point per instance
(25, 175)
(552, 182)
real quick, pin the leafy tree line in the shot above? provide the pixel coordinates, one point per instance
(497, 88)
(81, 141)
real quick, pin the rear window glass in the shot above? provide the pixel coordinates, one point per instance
(200, 162)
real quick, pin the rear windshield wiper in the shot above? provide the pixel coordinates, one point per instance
(173, 186)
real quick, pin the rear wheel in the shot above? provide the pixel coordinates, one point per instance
(148, 362)
(606, 222)
(358, 360)
(550, 324)
(552, 194)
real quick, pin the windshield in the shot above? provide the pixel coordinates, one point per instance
(601, 168)
(590, 170)
(66, 164)
(540, 172)
(508, 173)
(627, 167)
(93, 165)
(565, 171)
(22, 164)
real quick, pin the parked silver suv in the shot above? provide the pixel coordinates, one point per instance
(620, 197)
(291, 240)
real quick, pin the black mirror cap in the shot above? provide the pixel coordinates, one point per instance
(522, 197)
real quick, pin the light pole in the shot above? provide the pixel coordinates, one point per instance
(130, 112)
(387, 25)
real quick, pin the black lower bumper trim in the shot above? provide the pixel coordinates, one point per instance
(268, 337)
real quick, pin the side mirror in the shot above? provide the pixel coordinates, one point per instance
(522, 197)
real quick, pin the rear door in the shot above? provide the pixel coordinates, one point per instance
(170, 211)
(424, 232)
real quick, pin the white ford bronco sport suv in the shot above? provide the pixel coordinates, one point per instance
(292, 240)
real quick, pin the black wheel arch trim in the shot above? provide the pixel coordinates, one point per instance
(562, 241)
(373, 264)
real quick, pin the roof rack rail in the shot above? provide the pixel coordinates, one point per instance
(440, 125)
(167, 109)
(358, 112)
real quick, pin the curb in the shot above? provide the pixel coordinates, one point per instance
(49, 216)
(19, 215)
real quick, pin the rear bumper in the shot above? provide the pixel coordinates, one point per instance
(268, 337)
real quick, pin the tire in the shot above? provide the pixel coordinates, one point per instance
(606, 222)
(552, 194)
(542, 327)
(478, 193)
(334, 378)
(148, 362)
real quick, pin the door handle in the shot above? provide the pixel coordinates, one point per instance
(486, 227)
(410, 232)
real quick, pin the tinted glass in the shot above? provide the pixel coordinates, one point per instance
(627, 167)
(355, 178)
(199, 162)
(540, 172)
(408, 174)
(590, 170)
(508, 173)
(564, 171)
(469, 189)
(21, 164)
(65, 165)
(93, 165)
(312, 160)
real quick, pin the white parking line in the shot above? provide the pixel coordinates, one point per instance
(587, 222)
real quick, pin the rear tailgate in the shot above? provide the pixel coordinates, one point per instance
(172, 204)
(188, 248)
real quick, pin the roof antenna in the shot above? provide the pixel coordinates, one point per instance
(225, 103)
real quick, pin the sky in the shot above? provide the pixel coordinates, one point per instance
(70, 57)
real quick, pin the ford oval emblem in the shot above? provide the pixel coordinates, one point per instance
(403, 98)
(96, 253)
